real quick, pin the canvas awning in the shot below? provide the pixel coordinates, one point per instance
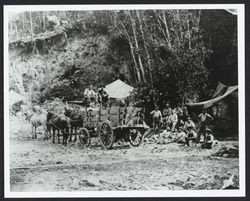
(221, 92)
(118, 89)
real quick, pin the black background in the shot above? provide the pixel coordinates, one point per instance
(47, 2)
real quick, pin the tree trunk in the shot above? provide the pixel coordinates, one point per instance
(146, 49)
(189, 36)
(16, 30)
(31, 25)
(199, 18)
(44, 21)
(23, 21)
(137, 48)
(40, 14)
(166, 27)
(160, 27)
(179, 21)
(217, 110)
(125, 33)
(134, 59)
(132, 53)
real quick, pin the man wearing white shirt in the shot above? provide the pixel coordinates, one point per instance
(90, 94)
(189, 122)
(173, 119)
(157, 117)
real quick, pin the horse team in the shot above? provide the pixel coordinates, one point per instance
(66, 123)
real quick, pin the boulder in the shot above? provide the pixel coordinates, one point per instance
(65, 171)
(188, 185)
(40, 181)
(93, 182)
(75, 184)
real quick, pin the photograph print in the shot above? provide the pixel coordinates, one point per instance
(124, 100)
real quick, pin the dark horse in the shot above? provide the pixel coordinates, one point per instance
(58, 123)
(75, 121)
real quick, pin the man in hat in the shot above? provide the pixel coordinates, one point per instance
(157, 117)
(90, 94)
(209, 139)
(185, 114)
(204, 118)
(103, 96)
(165, 114)
(178, 111)
(189, 122)
(180, 136)
(173, 119)
(191, 135)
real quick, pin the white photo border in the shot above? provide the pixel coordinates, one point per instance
(168, 193)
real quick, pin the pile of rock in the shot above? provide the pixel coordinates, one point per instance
(164, 137)
(230, 151)
(56, 106)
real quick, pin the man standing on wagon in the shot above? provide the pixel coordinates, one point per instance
(103, 96)
(90, 94)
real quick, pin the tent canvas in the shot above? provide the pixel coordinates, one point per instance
(221, 92)
(118, 89)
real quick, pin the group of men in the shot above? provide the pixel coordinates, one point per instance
(101, 96)
(178, 119)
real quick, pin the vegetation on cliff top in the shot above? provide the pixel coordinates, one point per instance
(180, 53)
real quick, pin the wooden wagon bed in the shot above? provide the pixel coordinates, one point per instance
(112, 124)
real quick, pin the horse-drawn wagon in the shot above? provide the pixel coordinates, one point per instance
(112, 124)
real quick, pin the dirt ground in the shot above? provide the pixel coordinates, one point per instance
(38, 165)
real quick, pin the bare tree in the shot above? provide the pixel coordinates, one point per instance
(137, 47)
(145, 46)
(31, 24)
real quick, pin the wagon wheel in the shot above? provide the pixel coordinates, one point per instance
(84, 137)
(106, 135)
(135, 137)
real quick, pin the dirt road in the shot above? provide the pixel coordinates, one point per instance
(38, 165)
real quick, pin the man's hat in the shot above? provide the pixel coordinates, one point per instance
(208, 130)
